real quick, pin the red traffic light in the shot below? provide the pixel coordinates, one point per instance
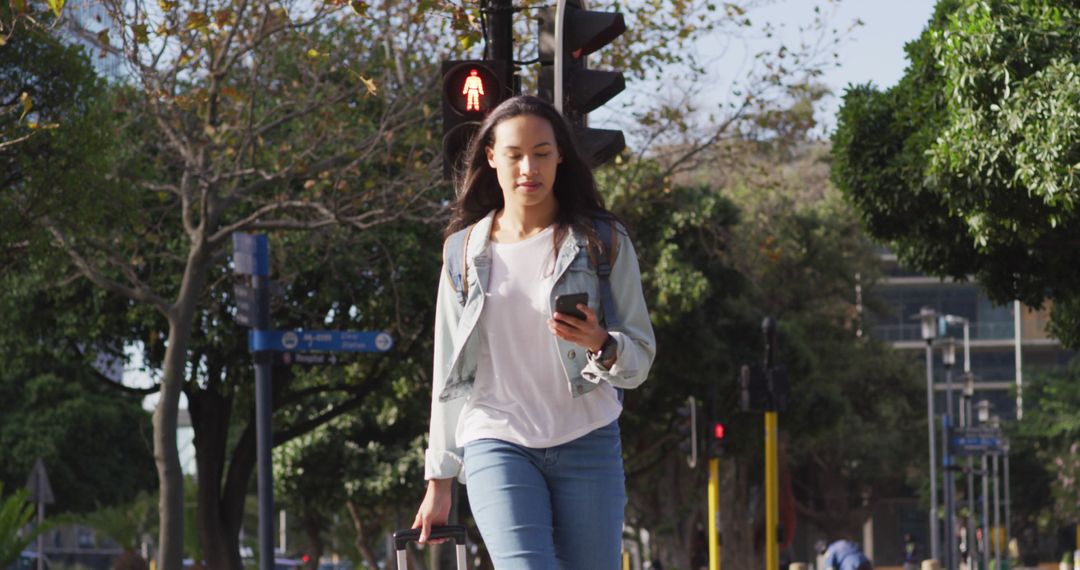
(718, 430)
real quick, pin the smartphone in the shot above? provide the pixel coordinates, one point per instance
(567, 304)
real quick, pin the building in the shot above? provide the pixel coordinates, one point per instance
(1007, 341)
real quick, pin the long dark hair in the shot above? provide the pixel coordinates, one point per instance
(478, 191)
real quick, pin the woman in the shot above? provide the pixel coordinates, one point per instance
(525, 400)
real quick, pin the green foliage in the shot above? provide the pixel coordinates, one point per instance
(1051, 430)
(125, 524)
(967, 166)
(16, 512)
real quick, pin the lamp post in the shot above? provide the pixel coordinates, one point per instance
(928, 320)
(995, 422)
(983, 411)
(964, 414)
(967, 421)
(948, 358)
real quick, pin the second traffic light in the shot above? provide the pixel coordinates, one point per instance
(470, 90)
(717, 432)
(687, 428)
(569, 33)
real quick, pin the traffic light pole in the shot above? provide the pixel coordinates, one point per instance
(772, 478)
(263, 429)
(501, 17)
(714, 513)
(772, 494)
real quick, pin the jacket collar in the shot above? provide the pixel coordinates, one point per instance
(477, 249)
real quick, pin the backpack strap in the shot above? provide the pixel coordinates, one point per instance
(456, 268)
(604, 260)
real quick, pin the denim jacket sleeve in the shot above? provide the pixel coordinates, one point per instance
(443, 457)
(635, 337)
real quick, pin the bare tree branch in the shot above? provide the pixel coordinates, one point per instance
(141, 294)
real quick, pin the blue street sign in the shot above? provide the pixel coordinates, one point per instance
(251, 254)
(977, 441)
(320, 341)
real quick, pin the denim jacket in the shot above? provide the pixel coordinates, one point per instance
(457, 344)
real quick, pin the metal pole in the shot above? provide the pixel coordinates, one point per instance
(263, 430)
(997, 513)
(950, 523)
(772, 495)
(934, 550)
(1008, 518)
(560, 57)
(1018, 333)
(970, 480)
(714, 514)
(40, 521)
(501, 17)
(985, 512)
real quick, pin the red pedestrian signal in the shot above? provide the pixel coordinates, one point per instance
(470, 90)
(718, 431)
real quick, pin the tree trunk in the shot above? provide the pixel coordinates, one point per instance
(166, 454)
(210, 416)
(361, 536)
(313, 528)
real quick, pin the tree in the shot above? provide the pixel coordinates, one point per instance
(1051, 432)
(55, 404)
(967, 166)
(16, 512)
(763, 234)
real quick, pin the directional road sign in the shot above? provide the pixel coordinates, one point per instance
(245, 305)
(977, 441)
(320, 341)
(251, 254)
(306, 358)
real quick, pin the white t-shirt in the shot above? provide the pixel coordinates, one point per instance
(520, 394)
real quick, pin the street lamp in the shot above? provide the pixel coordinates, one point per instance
(983, 410)
(928, 318)
(958, 320)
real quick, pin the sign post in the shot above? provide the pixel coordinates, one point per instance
(251, 255)
(41, 493)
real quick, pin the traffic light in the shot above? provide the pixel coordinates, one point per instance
(569, 33)
(687, 429)
(717, 431)
(470, 90)
(762, 392)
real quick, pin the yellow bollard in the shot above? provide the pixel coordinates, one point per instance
(714, 513)
(772, 494)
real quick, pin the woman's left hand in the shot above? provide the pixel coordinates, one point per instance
(585, 332)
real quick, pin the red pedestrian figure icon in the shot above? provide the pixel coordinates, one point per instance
(474, 88)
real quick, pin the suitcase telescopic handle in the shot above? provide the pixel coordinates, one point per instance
(454, 531)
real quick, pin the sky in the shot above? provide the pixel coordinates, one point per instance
(872, 52)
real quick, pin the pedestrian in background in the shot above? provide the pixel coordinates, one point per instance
(843, 555)
(525, 404)
(912, 556)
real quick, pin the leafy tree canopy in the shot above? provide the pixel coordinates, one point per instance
(968, 165)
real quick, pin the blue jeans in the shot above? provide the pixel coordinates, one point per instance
(555, 508)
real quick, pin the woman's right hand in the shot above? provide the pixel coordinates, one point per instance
(435, 509)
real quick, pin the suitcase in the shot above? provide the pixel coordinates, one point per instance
(457, 532)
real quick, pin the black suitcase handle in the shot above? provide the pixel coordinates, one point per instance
(454, 531)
